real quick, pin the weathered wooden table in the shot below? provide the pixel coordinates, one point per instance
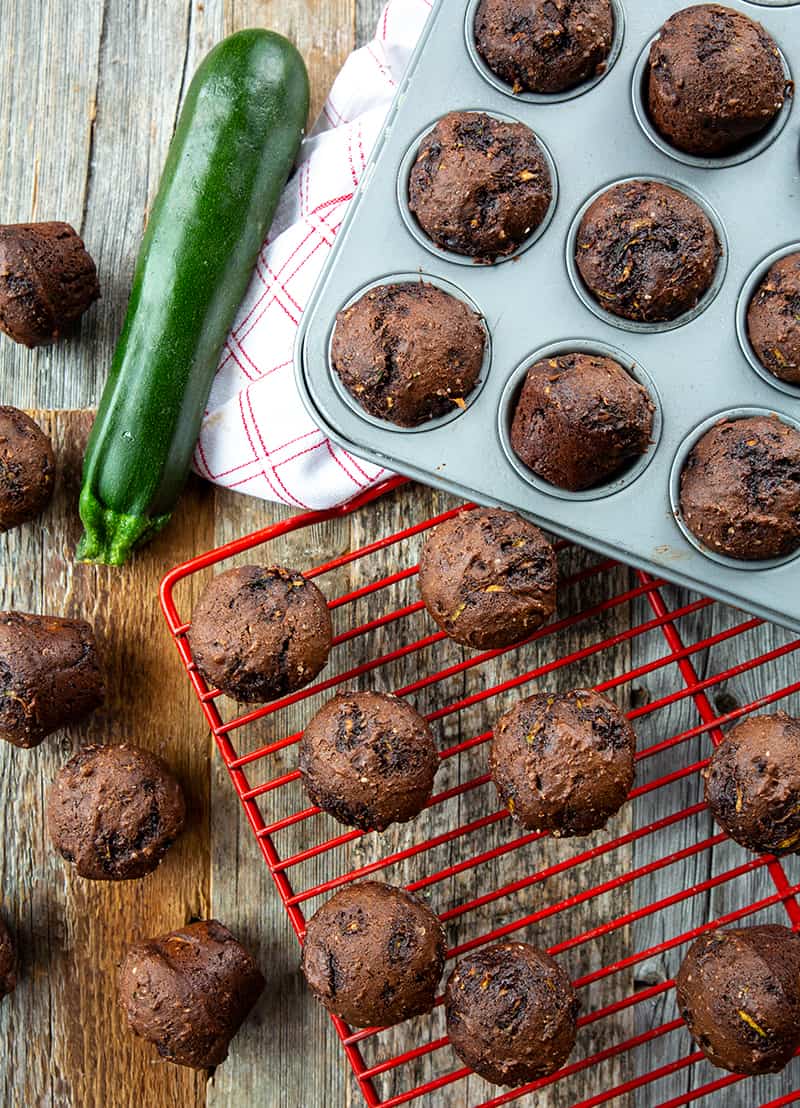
(89, 94)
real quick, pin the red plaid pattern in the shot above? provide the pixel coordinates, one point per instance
(256, 434)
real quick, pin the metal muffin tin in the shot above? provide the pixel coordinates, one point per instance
(696, 369)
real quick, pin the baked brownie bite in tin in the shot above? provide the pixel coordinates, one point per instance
(646, 252)
(373, 954)
(716, 80)
(114, 811)
(408, 352)
(511, 1013)
(580, 420)
(480, 185)
(739, 992)
(544, 45)
(563, 763)
(488, 578)
(753, 784)
(740, 488)
(773, 320)
(258, 632)
(369, 760)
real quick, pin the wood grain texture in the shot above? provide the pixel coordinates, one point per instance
(89, 94)
(64, 1042)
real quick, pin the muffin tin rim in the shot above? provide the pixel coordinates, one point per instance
(676, 470)
(642, 326)
(773, 3)
(527, 97)
(506, 407)
(746, 294)
(413, 277)
(451, 256)
(751, 149)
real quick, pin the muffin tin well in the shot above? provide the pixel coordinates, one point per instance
(450, 256)
(445, 286)
(696, 369)
(508, 403)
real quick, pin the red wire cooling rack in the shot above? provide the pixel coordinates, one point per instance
(634, 638)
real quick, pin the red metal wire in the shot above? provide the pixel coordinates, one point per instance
(693, 689)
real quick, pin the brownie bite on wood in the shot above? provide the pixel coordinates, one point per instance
(564, 762)
(189, 992)
(753, 784)
(114, 811)
(27, 468)
(51, 675)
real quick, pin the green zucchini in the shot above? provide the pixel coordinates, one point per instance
(233, 149)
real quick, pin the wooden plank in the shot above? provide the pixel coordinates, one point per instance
(65, 1041)
(322, 30)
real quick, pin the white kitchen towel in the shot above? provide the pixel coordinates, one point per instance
(256, 436)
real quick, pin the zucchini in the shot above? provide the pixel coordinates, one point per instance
(233, 149)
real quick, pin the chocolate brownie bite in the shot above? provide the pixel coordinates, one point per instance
(408, 352)
(580, 419)
(114, 811)
(511, 1013)
(753, 784)
(259, 633)
(716, 80)
(27, 468)
(488, 578)
(563, 763)
(646, 251)
(373, 954)
(8, 962)
(47, 281)
(369, 760)
(51, 675)
(544, 45)
(739, 992)
(740, 488)
(189, 992)
(773, 320)
(479, 186)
